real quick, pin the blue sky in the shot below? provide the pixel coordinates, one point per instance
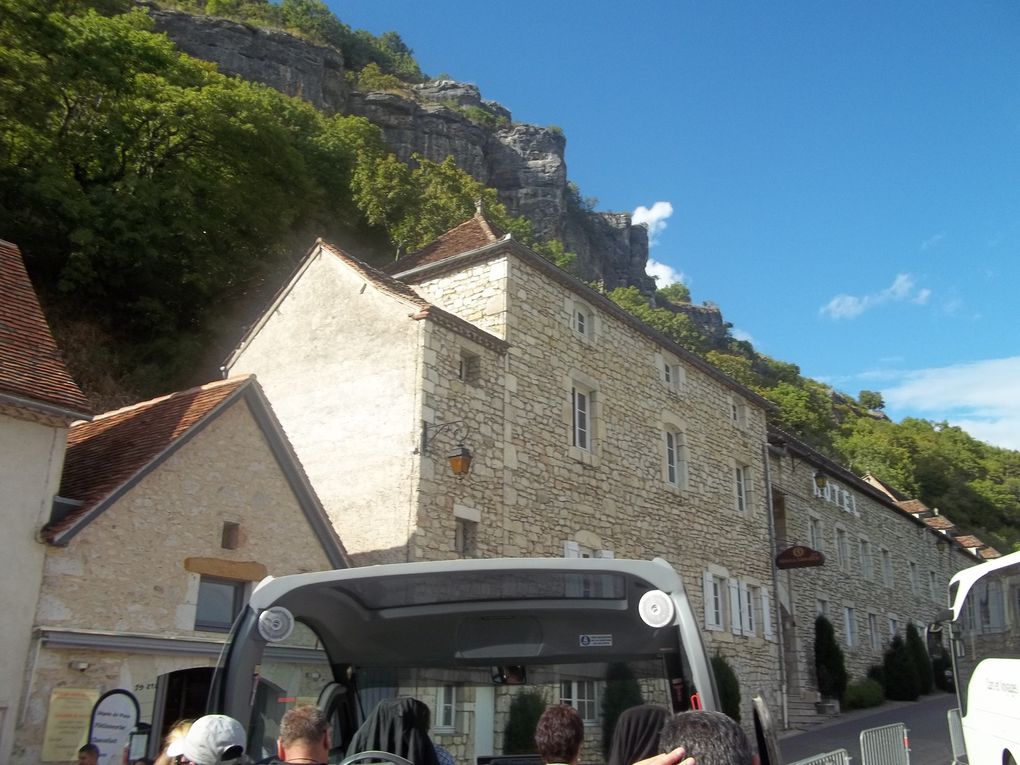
(842, 179)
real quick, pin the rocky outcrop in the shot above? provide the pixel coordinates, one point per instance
(524, 163)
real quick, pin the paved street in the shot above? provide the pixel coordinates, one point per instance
(925, 719)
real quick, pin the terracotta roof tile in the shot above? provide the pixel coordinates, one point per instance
(913, 506)
(473, 233)
(969, 540)
(105, 453)
(30, 363)
(990, 553)
(940, 522)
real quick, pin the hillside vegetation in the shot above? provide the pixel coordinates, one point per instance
(159, 203)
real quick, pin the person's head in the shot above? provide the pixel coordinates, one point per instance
(304, 734)
(559, 734)
(211, 740)
(711, 738)
(88, 755)
(636, 734)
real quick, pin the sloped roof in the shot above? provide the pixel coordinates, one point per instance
(30, 364)
(969, 540)
(473, 233)
(939, 522)
(914, 506)
(990, 553)
(113, 452)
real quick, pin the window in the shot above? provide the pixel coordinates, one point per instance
(468, 367)
(676, 459)
(465, 536)
(742, 488)
(219, 603)
(894, 627)
(873, 637)
(822, 608)
(714, 601)
(673, 375)
(887, 575)
(933, 586)
(850, 626)
(867, 565)
(912, 574)
(738, 412)
(581, 404)
(815, 533)
(842, 553)
(446, 708)
(582, 319)
(749, 596)
(580, 694)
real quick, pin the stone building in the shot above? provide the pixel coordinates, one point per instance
(590, 434)
(38, 401)
(884, 567)
(168, 512)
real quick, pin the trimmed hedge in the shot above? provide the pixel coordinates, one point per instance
(901, 680)
(830, 667)
(525, 709)
(728, 685)
(862, 694)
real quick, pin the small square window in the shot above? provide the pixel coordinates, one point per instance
(469, 367)
(676, 459)
(446, 708)
(465, 537)
(738, 412)
(742, 487)
(219, 603)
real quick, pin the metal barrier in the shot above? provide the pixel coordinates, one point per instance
(838, 757)
(886, 745)
(956, 736)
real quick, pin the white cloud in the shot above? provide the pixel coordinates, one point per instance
(739, 334)
(933, 241)
(663, 274)
(654, 217)
(902, 288)
(981, 397)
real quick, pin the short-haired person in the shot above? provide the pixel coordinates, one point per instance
(304, 736)
(211, 740)
(559, 735)
(88, 755)
(711, 738)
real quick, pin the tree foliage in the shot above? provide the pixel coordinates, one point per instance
(622, 692)
(919, 656)
(900, 673)
(830, 666)
(525, 710)
(729, 686)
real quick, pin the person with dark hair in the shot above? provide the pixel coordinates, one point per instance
(399, 726)
(88, 755)
(559, 735)
(711, 738)
(304, 736)
(636, 735)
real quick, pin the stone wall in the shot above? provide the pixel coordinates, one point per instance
(125, 573)
(553, 497)
(865, 587)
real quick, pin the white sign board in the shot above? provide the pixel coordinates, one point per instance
(114, 716)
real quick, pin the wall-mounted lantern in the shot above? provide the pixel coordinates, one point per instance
(459, 459)
(821, 480)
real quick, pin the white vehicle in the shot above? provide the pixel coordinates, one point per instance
(467, 638)
(985, 633)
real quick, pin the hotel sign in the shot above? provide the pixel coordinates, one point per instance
(799, 556)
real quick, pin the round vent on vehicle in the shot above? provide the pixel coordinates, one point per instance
(276, 624)
(656, 608)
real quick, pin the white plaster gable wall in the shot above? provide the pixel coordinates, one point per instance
(339, 361)
(31, 458)
(125, 571)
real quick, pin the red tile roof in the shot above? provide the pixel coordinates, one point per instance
(914, 506)
(30, 363)
(473, 233)
(968, 540)
(940, 522)
(989, 553)
(105, 453)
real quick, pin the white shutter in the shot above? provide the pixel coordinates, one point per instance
(571, 550)
(745, 622)
(766, 614)
(605, 554)
(735, 621)
(706, 583)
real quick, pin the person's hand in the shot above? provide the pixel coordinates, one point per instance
(676, 757)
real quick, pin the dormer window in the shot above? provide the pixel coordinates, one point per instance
(582, 319)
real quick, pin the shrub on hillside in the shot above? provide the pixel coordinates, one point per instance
(728, 685)
(901, 681)
(862, 694)
(830, 667)
(919, 655)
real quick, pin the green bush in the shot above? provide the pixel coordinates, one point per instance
(901, 681)
(919, 655)
(519, 736)
(876, 672)
(830, 667)
(939, 665)
(862, 694)
(728, 685)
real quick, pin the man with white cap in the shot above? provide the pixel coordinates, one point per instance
(212, 740)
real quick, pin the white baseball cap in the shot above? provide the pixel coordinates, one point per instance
(213, 739)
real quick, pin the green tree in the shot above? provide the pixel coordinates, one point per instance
(871, 399)
(729, 686)
(519, 735)
(677, 292)
(900, 672)
(830, 667)
(676, 326)
(919, 656)
(621, 693)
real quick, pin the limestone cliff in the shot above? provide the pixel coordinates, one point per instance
(524, 163)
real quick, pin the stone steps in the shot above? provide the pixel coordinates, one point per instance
(802, 715)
